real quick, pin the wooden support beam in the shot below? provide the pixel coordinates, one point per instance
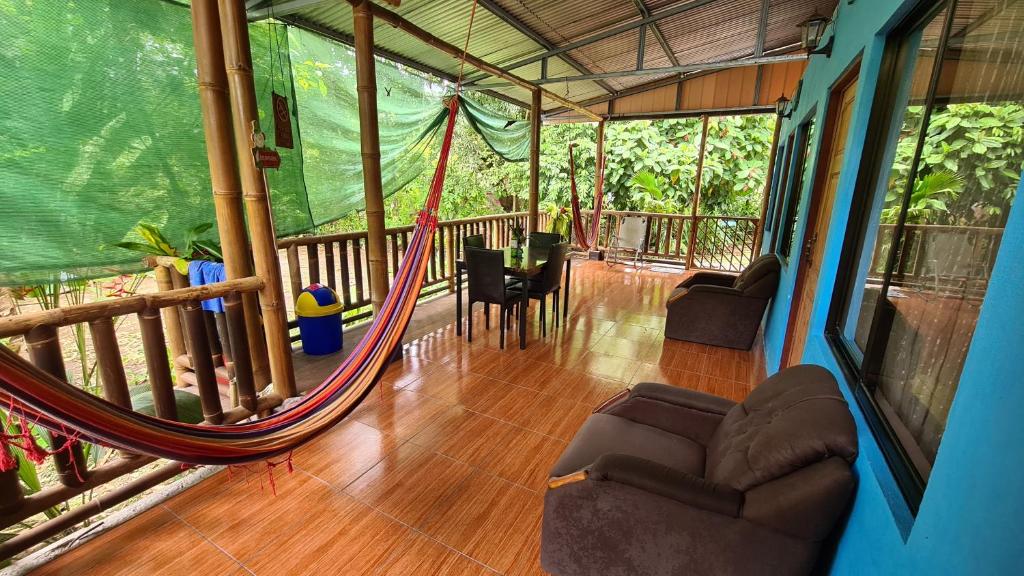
(404, 25)
(245, 117)
(369, 141)
(695, 208)
(227, 187)
(599, 172)
(534, 199)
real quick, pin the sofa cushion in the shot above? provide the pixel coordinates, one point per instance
(607, 434)
(794, 419)
(760, 278)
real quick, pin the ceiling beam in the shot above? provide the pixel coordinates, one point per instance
(506, 17)
(614, 31)
(388, 17)
(707, 66)
(762, 29)
(264, 10)
(654, 84)
(348, 40)
(645, 13)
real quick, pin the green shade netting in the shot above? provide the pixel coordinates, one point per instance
(409, 109)
(100, 129)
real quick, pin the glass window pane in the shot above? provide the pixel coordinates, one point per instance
(915, 62)
(960, 197)
(802, 169)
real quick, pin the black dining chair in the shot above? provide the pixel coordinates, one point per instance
(544, 239)
(486, 271)
(474, 241)
(549, 282)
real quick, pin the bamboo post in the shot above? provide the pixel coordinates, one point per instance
(44, 351)
(245, 116)
(159, 371)
(172, 319)
(534, 202)
(202, 364)
(109, 364)
(369, 140)
(759, 234)
(691, 245)
(244, 381)
(598, 176)
(227, 188)
(449, 243)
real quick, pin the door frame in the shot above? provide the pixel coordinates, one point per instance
(835, 102)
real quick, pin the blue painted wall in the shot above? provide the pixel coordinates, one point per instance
(971, 520)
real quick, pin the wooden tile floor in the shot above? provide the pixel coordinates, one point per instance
(442, 470)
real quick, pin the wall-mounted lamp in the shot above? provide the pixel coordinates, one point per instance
(780, 107)
(812, 31)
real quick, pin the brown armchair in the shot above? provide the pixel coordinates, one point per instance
(666, 481)
(722, 309)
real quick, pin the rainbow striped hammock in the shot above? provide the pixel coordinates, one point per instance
(584, 239)
(39, 397)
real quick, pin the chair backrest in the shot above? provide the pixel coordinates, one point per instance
(544, 239)
(632, 232)
(474, 241)
(761, 278)
(551, 277)
(794, 419)
(486, 271)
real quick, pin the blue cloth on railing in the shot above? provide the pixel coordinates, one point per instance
(200, 273)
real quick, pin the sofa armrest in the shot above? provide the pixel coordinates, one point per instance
(668, 482)
(678, 411)
(709, 278)
(683, 397)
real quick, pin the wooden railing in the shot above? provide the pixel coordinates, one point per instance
(938, 256)
(340, 260)
(721, 242)
(40, 331)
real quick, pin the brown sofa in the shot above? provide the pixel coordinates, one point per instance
(669, 481)
(723, 309)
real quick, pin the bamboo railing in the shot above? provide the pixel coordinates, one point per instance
(341, 261)
(41, 334)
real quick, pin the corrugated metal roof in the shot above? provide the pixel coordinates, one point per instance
(716, 31)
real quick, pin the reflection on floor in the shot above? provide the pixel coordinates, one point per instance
(442, 469)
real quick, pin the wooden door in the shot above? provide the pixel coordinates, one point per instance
(820, 212)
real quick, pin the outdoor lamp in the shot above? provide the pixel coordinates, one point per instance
(780, 107)
(812, 31)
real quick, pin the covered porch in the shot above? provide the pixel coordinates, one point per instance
(442, 468)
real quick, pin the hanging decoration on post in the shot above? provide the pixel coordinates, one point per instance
(282, 122)
(263, 156)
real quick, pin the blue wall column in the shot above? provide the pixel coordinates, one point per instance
(970, 519)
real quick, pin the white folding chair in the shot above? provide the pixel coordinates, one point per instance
(630, 238)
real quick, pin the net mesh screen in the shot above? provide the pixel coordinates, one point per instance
(101, 129)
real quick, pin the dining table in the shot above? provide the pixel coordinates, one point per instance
(525, 263)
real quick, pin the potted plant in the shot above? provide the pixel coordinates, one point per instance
(518, 235)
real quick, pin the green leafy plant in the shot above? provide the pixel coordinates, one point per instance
(929, 198)
(155, 243)
(647, 189)
(560, 219)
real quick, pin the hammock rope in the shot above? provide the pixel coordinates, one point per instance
(36, 396)
(584, 238)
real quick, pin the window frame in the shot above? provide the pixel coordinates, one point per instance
(780, 191)
(773, 190)
(786, 233)
(857, 368)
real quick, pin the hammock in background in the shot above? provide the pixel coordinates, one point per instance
(36, 396)
(584, 239)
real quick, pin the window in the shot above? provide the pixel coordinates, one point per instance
(774, 192)
(802, 168)
(780, 189)
(933, 200)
